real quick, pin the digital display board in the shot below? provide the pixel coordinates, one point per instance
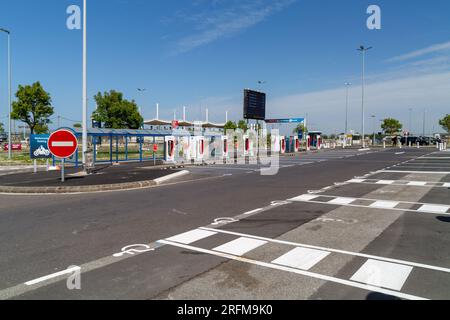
(254, 105)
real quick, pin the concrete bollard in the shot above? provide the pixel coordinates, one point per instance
(418, 145)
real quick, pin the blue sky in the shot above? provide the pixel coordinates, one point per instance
(203, 53)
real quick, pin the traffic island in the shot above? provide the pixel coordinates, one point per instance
(106, 178)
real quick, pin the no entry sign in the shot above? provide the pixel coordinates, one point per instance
(62, 144)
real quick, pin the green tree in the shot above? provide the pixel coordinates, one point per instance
(33, 106)
(230, 125)
(77, 125)
(41, 129)
(242, 124)
(2, 129)
(391, 126)
(115, 112)
(300, 128)
(445, 123)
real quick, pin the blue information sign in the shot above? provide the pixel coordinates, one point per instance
(292, 120)
(39, 146)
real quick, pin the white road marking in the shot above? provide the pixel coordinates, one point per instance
(342, 201)
(356, 181)
(446, 185)
(385, 182)
(53, 275)
(253, 211)
(383, 274)
(240, 246)
(417, 183)
(63, 144)
(410, 171)
(192, 236)
(301, 258)
(434, 208)
(356, 254)
(296, 271)
(384, 204)
(305, 197)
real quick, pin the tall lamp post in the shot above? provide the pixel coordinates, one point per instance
(347, 85)
(363, 50)
(142, 91)
(85, 135)
(373, 118)
(9, 91)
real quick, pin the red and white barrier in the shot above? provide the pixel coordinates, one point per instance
(170, 149)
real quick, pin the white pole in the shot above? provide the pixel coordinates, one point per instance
(184, 114)
(207, 115)
(226, 116)
(363, 111)
(157, 111)
(84, 83)
(9, 95)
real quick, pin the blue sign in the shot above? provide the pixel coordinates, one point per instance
(39, 146)
(292, 120)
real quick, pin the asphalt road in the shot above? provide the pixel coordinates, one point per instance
(381, 232)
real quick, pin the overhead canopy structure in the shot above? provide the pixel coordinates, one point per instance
(157, 122)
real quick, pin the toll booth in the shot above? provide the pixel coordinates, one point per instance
(169, 149)
(282, 145)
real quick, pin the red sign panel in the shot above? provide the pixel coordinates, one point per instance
(155, 147)
(62, 144)
(175, 124)
(14, 147)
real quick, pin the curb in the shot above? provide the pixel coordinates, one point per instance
(94, 188)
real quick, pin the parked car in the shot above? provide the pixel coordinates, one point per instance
(3, 137)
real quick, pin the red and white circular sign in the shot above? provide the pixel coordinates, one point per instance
(62, 144)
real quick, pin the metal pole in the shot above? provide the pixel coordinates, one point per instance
(9, 95)
(62, 170)
(363, 111)
(424, 125)
(346, 108)
(84, 83)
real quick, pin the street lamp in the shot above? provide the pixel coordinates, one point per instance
(9, 90)
(142, 91)
(373, 118)
(363, 50)
(410, 120)
(84, 120)
(347, 85)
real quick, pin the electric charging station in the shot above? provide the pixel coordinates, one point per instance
(295, 143)
(169, 149)
(282, 145)
(275, 143)
(225, 149)
(198, 148)
(308, 143)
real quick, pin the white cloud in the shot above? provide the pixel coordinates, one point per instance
(419, 53)
(212, 25)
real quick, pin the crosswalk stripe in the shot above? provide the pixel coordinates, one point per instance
(434, 208)
(342, 201)
(384, 204)
(240, 246)
(296, 271)
(301, 258)
(192, 236)
(383, 274)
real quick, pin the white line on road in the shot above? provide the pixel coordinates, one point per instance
(296, 271)
(356, 254)
(53, 275)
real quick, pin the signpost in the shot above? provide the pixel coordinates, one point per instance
(39, 148)
(62, 144)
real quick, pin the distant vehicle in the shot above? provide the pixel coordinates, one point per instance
(3, 137)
